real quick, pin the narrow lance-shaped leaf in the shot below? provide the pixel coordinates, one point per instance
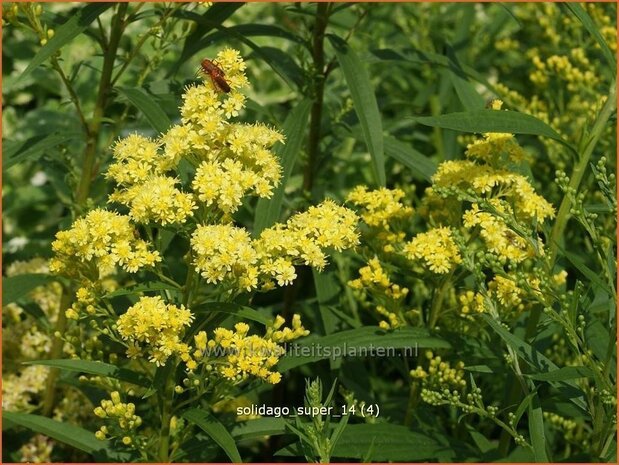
(149, 108)
(96, 368)
(536, 430)
(421, 166)
(71, 435)
(67, 32)
(34, 148)
(216, 14)
(469, 97)
(479, 121)
(15, 287)
(218, 432)
(269, 210)
(230, 308)
(364, 101)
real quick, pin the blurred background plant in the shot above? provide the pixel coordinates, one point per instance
(346, 84)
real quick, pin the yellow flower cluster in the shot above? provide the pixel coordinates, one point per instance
(507, 293)
(305, 238)
(227, 253)
(374, 276)
(137, 158)
(436, 248)
(484, 180)
(501, 290)
(374, 280)
(471, 302)
(121, 416)
(243, 165)
(156, 199)
(97, 243)
(247, 355)
(139, 170)
(561, 67)
(440, 374)
(231, 159)
(497, 236)
(153, 327)
(379, 207)
(496, 145)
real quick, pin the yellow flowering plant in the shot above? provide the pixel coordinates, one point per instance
(223, 162)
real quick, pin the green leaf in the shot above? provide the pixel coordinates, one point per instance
(364, 101)
(539, 362)
(421, 166)
(214, 15)
(536, 430)
(286, 66)
(153, 286)
(34, 147)
(420, 57)
(338, 431)
(479, 368)
(71, 435)
(594, 277)
(197, 41)
(381, 442)
(18, 286)
(96, 368)
(267, 426)
(327, 292)
(524, 405)
(468, 95)
(77, 23)
(269, 210)
(479, 121)
(149, 108)
(578, 11)
(218, 432)
(482, 443)
(563, 374)
(357, 342)
(231, 308)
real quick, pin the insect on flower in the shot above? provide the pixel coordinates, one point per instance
(216, 74)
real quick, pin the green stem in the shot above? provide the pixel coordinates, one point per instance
(318, 55)
(72, 94)
(166, 417)
(56, 352)
(105, 88)
(413, 399)
(579, 170)
(142, 41)
(435, 109)
(437, 301)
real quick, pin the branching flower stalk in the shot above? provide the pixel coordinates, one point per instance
(103, 94)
